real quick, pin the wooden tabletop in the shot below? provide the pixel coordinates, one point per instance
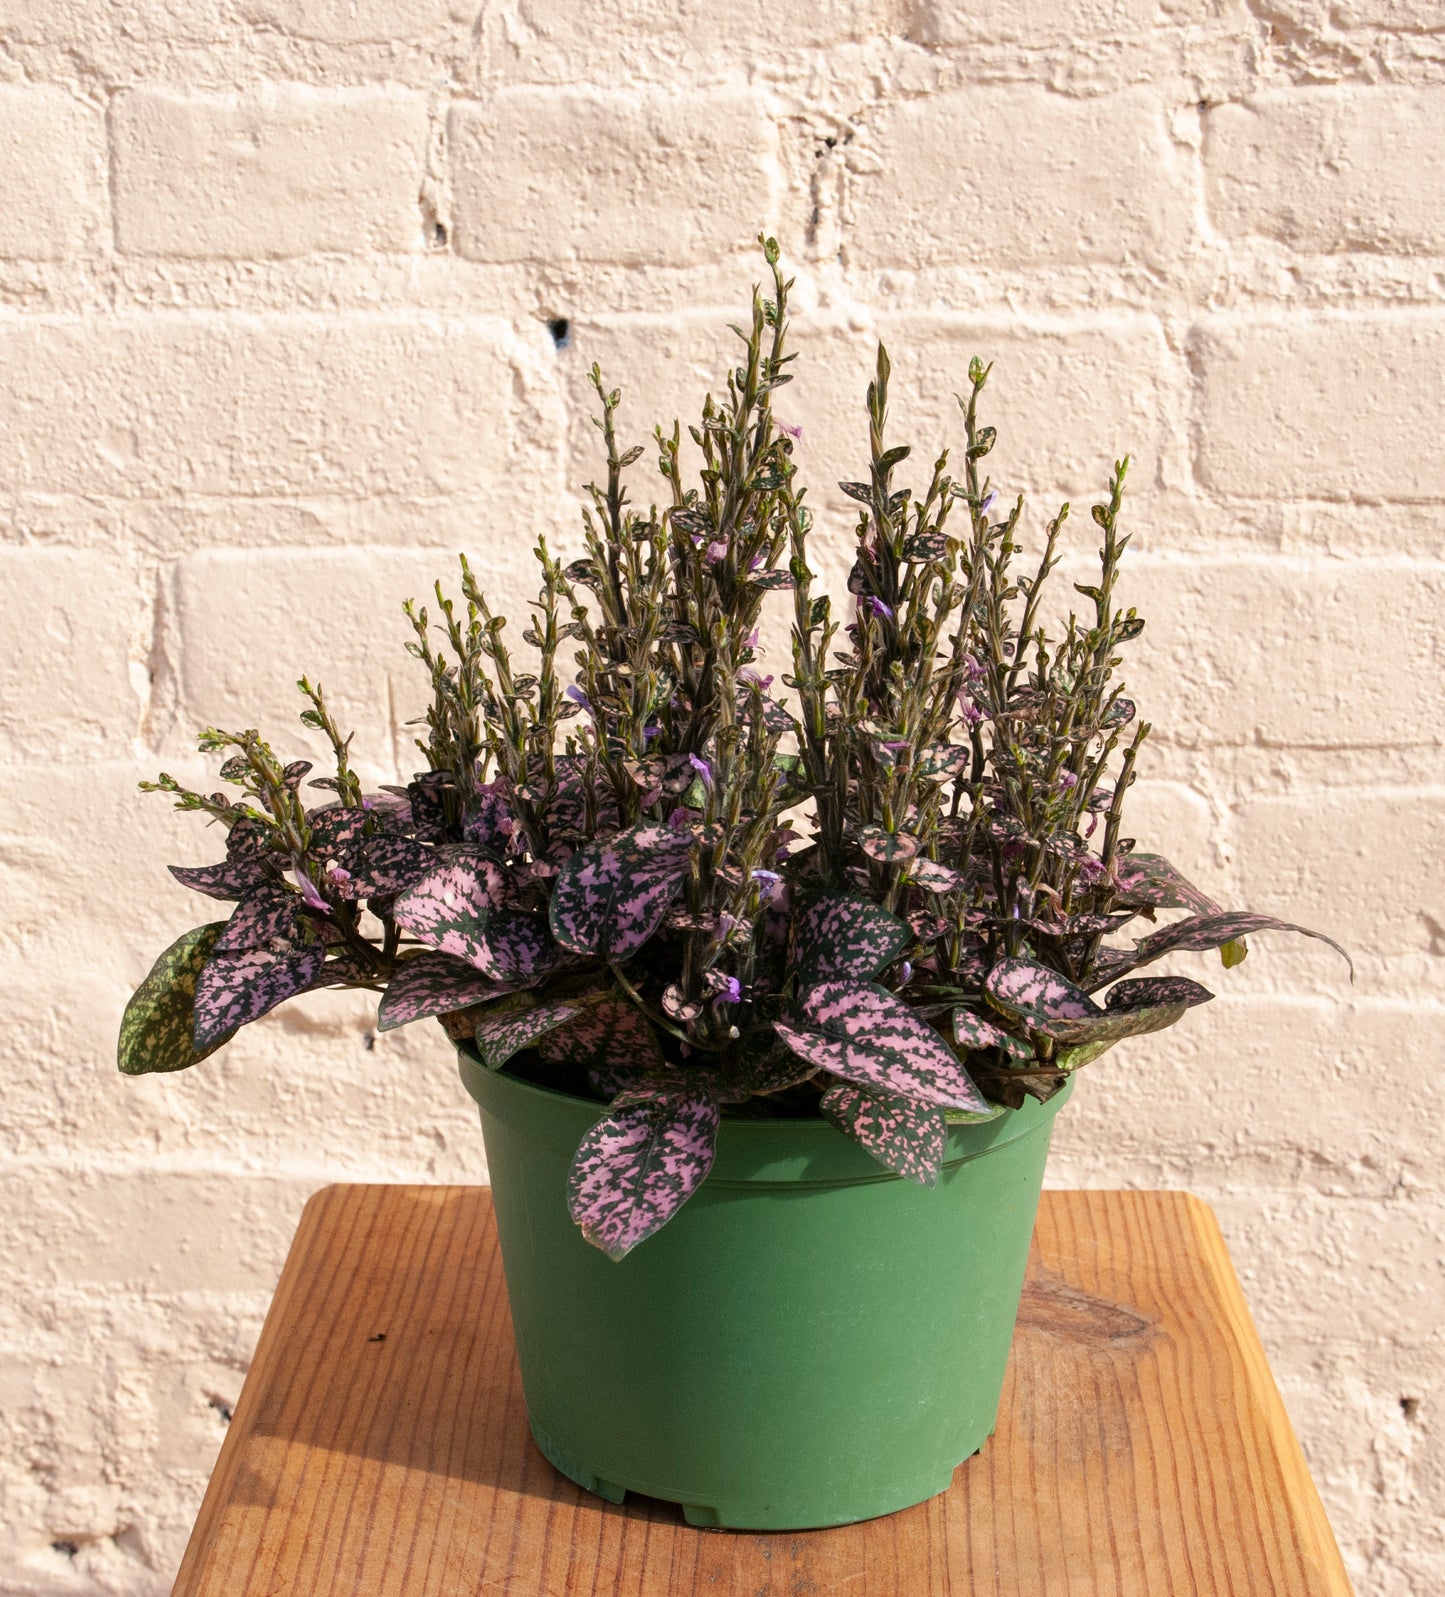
(380, 1445)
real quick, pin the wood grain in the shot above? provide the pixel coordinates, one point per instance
(380, 1445)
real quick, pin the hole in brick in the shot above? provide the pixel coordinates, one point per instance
(561, 331)
(368, 1041)
(68, 1548)
(439, 235)
(221, 1406)
(379, 1337)
(1410, 1408)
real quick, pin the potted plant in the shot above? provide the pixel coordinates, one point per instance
(768, 998)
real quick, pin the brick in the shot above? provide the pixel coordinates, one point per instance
(632, 177)
(578, 36)
(281, 170)
(1330, 168)
(1263, 1090)
(1043, 22)
(1281, 653)
(1338, 406)
(1017, 176)
(73, 623)
(1363, 866)
(355, 21)
(248, 623)
(52, 173)
(208, 403)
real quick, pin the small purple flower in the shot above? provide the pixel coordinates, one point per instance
(717, 550)
(972, 715)
(879, 608)
(905, 973)
(751, 641)
(989, 500)
(1067, 779)
(896, 745)
(767, 883)
(680, 819)
(309, 892)
(792, 432)
(650, 732)
(703, 769)
(731, 991)
(577, 696)
(748, 674)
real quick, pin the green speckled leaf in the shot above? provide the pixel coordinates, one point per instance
(155, 1031)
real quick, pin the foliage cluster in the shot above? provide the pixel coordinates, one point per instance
(891, 895)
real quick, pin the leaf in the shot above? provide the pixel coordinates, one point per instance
(611, 896)
(861, 491)
(770, 581)
(636, 1168)
(605, 1034)
(155, 1030)
(936, 878)
(923, 548)
(506, 1031)
(387, 865)
(430, 984)
(1233, 953)
(870, 1037)
(1150, 881)
(267, 915)
(1024, 990)
(846, 935)
(943, 760)
(516, 947)
(889, 848)
(908, 1137)
(235, 989)
(1214, 931)
(971, 1030)
(1133, 1008)
(337, 826)
(448, 907)
(232, 878)
(1148, 991)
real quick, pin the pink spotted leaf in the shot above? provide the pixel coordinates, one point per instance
(638, 1165)
(235, 989)
(611, 896)
(1132, 1009)
(514, 1024)
(606, 1034)
(232, 878)
(843, 935)
(268, 914)
(971, 1030)
(430, 984)
(906, 1136)
(1149, 881)
(1214, 931)
(868, 1036)
(1040, 998)
(447, 908)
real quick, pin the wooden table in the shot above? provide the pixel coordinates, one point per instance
(380, 1445)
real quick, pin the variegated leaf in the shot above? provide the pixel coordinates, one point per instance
(156, 1029)
(267, 915)
(383, 866)
(611, 896)
(636, 1168)
(506, 1030)
(943, 761)
(235, 989)
(868, 1036)
(1132, 1009)
(971, 1030)
(337, 826)
(1029, 992)
(888, 848)
(430, 984)
(1214, 931)
(448, 908)
(516, 948)
(232, 878)
(1150, 881)
(604, 1034)
(844, 935)
(932, 876)
(906, 1136)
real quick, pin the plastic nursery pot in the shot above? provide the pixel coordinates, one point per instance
(810, 1341)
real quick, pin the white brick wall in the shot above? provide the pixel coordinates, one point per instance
(274, 284)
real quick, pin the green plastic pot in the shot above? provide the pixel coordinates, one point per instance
(810, 1341)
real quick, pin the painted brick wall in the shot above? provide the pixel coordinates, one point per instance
(275, 284)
